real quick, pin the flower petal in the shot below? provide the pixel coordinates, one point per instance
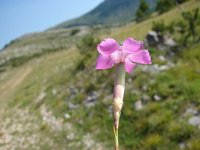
(108, 46)
(130, 45)
(104, 62)
(142, 57)
(129, 66)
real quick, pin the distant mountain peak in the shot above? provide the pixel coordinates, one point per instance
(109, 12)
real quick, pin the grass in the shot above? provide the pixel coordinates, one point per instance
(46, 90)
(139, 30)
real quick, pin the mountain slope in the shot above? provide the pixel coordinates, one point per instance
(109, 12)
(48, 103)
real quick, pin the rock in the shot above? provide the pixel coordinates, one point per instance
(129, 80)
(136, 92)
(66, 116)
(144, 87)
(50, 119)
(170, 64)
(138, 105)
(152, 38)
(191, 111)
(155, 68)
(91, 99)
(157, 97)
(145, 98)
(41, 96)
(70, 136)
(151, 68)
(72, 93)
(194, 120)
(54, 91)
(160, 41)
(182, 145)
(72, 106)
(89, 102)
(164, 67)
(73, 90)
(162, 58)
(169, 42)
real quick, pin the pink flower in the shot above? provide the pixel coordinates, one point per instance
(130, 54)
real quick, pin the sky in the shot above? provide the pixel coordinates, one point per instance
(18, 17)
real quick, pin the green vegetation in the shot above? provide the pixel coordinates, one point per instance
(142, 11)
(185, 30)
(164, 5)
(109, 12)
(18, 61)
(74, 32)
(87, 44)
(47, 102)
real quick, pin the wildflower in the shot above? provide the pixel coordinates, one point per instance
(125, 58)
(130, 54)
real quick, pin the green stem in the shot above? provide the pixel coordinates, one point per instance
(116, 138)
(118, 99)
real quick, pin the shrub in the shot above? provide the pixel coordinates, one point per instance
(185, 31)
(194, 144)
(80, 65)
(159, 26)
(179, 132)
(87, 43)
(181, 1)
(152, 141)
(142, 11)
(164, 5)
(157, 123)
(74, 32)
(192, 20)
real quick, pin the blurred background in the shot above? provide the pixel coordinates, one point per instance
(51, 96)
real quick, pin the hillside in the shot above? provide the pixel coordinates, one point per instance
(109, 12)
(35, 44)
(61, 37)
(57, 100)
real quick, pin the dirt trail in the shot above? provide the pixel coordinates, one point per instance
(11, 84)
(8, 87)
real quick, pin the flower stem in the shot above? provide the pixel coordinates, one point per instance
(116, 138)
(118, 99)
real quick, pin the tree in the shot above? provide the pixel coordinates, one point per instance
(192, 19)
(164, 5)
(181, 1)
(142, 11)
